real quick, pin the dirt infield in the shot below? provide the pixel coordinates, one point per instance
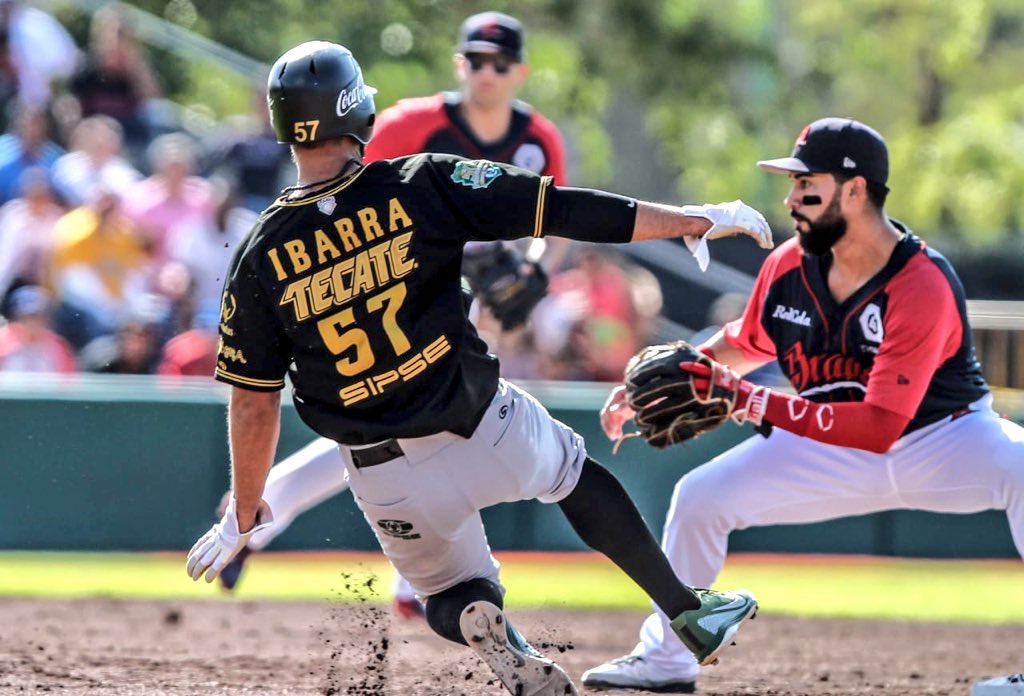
(106, 646)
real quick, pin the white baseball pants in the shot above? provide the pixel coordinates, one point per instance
(424, 506)
(302, 481)
(962, 465)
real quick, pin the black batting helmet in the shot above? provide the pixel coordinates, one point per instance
(316, 92)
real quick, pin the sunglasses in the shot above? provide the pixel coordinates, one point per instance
(501, 63)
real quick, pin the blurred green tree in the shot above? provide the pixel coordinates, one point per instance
(714, 84)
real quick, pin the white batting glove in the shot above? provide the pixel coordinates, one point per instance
(217, 547)
(732, 218)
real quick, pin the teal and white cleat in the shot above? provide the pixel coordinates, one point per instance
(709, 629)
(520, 668)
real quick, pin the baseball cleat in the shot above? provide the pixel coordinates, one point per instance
(709, 629)
(1010, 685)
(233, 570)
(521, 669)
(634, 672)
(410, 608)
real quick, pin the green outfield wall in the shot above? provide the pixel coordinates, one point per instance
(122, 463)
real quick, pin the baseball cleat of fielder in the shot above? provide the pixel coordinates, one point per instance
(521, 669)
(709, 629)
(634, 672)
(1010, 685)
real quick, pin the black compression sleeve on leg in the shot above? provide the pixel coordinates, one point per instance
(605, 517)
(445, 608)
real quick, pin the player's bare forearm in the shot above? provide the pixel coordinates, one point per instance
(254, 425)
(709, 221)
(658, 221)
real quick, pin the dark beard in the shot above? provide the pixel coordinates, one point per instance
(824, 232)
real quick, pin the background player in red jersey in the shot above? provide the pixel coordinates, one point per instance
(870, 327)
(350, 285)
(481, 120)
(484, 119)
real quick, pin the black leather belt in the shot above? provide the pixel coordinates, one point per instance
(377, 454)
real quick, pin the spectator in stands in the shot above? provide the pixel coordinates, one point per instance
(8, 78)
(645, 293)
(247, 152)
(27, 235)
(605, 336)
(99, 263)
(725, 308)
(95, 158)
(194, 352)
(41, 51)
(26, 145)
(27, 344)
(173, 197)
(116, 78)
(134, 349)
(205, 245)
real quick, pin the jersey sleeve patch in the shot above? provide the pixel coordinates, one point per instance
(923, 328)
(476, 174)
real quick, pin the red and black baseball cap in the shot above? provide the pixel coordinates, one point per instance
(836, 145)
(492, 32)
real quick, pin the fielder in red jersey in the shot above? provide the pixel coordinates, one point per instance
(891, 410)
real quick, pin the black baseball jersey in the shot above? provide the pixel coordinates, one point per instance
(355, 292)
(902, 341)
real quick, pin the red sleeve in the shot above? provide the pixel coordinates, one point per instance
(844, 424)
(747, 333)
(403, 128)
(923, 329)
(548, 134)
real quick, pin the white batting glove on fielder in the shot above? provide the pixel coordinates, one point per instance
(732, 218)
(217, 547)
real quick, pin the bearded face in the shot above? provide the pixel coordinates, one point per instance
(823, 233)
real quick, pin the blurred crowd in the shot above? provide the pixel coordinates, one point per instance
(117, 223)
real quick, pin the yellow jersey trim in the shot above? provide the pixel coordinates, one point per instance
(313, 198)
(249, 381)
(542, 195)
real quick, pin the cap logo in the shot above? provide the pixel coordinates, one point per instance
(349, 99)
(802, 138)
(491, 31)
(849, 163)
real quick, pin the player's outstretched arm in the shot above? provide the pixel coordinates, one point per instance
(592, 215)
(708, 221)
